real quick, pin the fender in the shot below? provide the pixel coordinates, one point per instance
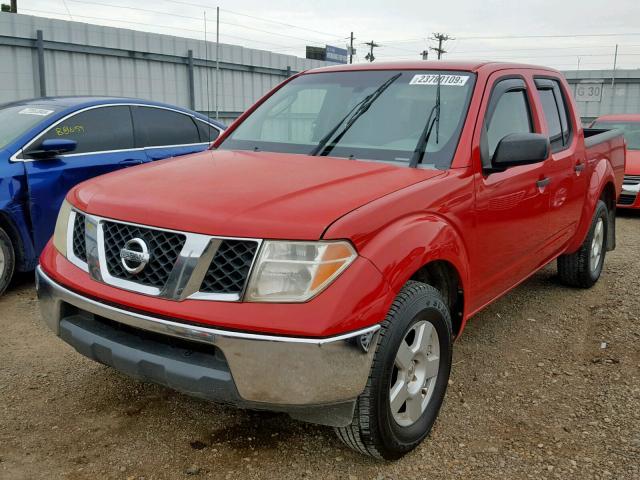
(417, 240)
(14, 214)
(601, 174)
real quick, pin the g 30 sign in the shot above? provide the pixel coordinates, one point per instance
(589, 91)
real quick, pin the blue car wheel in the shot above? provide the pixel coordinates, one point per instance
(7, 261)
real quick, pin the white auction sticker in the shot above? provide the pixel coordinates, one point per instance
(445, 80)
(35, 111)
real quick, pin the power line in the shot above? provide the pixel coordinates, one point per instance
(200, 5)
(199, 32)
(508, 37)
(155, 12)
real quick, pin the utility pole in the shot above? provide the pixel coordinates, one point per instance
(369, 55)
(440, 38)
(425, 54)
(351, 49)
(217, 61)
(615, 63)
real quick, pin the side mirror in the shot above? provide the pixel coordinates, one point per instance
(52, 148)
(520, 149)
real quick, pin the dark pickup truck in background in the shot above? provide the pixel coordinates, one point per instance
(324, 255)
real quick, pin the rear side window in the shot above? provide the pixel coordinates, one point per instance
(555, 111)
(511, 115)
(156, 127)
(208, 133)
(96, 130)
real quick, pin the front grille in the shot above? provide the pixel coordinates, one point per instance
(164, 248)
(79, 242)
(230, 267)
(631, 179)
(627, 199)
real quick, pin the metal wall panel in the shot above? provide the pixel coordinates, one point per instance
(126, 70)
(620, 94)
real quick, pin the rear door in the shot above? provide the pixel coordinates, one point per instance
(511, 205)
(168, 133)
(105, 143)
(568, 184)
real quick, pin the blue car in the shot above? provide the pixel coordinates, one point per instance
(48, 145)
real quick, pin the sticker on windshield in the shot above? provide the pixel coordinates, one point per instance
(445, 80)
(35, 111)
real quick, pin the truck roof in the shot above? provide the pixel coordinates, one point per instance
(468, 65)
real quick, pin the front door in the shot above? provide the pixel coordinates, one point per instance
(512, 205)
(104, 137)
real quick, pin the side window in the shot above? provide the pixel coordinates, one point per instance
(208, 133)
(511, 115)
(555, 112)
(156, 127)
(552, 115)
(95, 130)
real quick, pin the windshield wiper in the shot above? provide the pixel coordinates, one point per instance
(421, 147)
(323, 147)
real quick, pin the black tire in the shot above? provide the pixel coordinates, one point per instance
(374, 431)
(575, 269)
(7, 261)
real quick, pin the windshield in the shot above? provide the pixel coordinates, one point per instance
(300, 116)
(631, 131)
(16, 120)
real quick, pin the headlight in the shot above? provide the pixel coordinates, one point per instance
(62, 227)
(297, 271)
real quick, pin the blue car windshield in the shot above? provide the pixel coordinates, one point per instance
(368, 115)
(15, 120)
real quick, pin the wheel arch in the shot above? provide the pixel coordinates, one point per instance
(601, 186)
(426, 248)
(445, 277)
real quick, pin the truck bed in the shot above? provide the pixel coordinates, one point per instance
(607, 144)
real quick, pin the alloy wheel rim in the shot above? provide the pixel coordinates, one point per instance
(2, 263)
(597, 245)
(414, 373)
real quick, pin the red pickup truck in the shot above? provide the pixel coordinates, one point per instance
(323, 256)
(629, 124)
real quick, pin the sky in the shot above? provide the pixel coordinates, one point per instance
(564, 34)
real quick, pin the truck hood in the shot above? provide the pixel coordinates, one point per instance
(243, 194)
(633, 162)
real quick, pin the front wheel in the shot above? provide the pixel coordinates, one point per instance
(583, 268)
(7, 261)
(408, 378)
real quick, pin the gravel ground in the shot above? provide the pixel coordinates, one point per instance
(545, 384)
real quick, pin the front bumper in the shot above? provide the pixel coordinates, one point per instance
(313, 379)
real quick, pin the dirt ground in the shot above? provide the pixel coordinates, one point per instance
(545, 384)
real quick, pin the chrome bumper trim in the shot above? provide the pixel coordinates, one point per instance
(266, 368)
(631, 189)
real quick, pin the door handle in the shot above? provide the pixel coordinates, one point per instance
(543, 182)
(130, 162)
(579, 167)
